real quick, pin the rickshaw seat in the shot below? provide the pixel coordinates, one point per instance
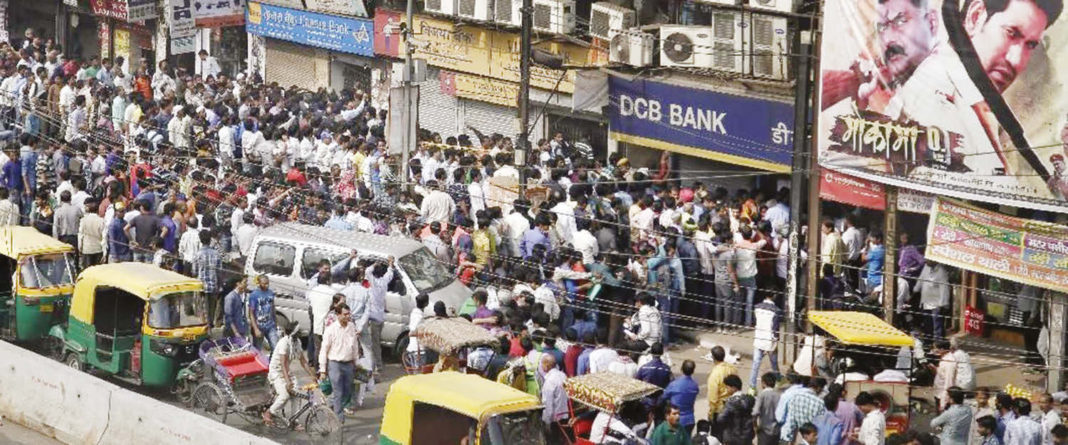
(582, 428)
(242, 364)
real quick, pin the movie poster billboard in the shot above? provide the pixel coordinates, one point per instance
(961, 98)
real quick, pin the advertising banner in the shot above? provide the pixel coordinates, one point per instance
(851, 190)
(344, 34)
(342, 7)
(1022, 250)
(103, 33)
(962, 98)
(182, 26)
(697, 122)
(218, 13)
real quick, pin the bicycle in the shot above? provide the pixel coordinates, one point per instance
(318, 418)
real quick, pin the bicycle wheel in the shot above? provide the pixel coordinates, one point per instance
(209, 397)
(321, 421)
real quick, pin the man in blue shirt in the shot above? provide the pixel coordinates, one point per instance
(876, 258)
(583, 366)
(337, 220)
(118, 241)
(827, 424)
(13, 175)
(261, 311)
(682, 392)
(235, 309)
(539, 234)
(655, 372)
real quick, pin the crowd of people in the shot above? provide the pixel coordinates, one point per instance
(595, 269)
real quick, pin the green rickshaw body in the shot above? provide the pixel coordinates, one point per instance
(36, 282)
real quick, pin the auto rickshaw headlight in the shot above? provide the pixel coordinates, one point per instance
(163, 348)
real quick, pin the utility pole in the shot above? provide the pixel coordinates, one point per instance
(523, 147)
(409, 108)
(890, 257)
(797, 181)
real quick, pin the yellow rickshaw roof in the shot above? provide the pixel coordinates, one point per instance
(141, 279)
(467, 394)
(16, 241)
(859, 328)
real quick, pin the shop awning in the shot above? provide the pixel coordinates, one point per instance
(859, 328)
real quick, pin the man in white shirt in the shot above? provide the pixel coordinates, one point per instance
(515, 225)
(437, 205)
(209, 66)
(553, 396)
(189, 244)
(319, 298)
(278, 373)
(338, 354)
(477, 192)
(935, 291)
(873, 429)
(244, 235)
(584, 241)
(602, 356)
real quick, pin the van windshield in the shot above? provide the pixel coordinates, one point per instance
(425, 271)
(177, 310)
(46, 271)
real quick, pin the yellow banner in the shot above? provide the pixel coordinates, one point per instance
(122, 43)
(465, 49)
(486, 89)
(506, 62)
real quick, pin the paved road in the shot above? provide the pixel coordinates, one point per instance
(13, 433)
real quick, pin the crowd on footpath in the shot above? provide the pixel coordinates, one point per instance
(599, 271)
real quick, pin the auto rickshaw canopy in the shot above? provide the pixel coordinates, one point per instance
(18, 241)
(448, 335)
(607, 391)
(142, 280)
(859, 328)
(466, 394)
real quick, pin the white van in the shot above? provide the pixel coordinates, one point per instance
(289, 254)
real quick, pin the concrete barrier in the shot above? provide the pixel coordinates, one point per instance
(77, 408)
(48, 397)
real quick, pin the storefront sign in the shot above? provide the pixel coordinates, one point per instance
(852, 190)
(336, 33)
(115, 9)
(697, 122)
(479, 88)
(473, 50)
(944, 108)
(181, 26)
(914, 201)
(140, 10)
(1022, 250)
(218, 13)
(3, 21)
(342, 7)
(291, 4)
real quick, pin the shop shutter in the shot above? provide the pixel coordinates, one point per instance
(295, 65)
(438, 112)
(489, 118)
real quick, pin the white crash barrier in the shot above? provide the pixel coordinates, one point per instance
(136, 418)
(77, 408)
(48, 397)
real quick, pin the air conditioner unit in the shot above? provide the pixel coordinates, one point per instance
(606, 17)
(444, 7)
(729, 42)
(774, 5)
(770, 47)
(475, 9)
(686, 46)
(631, 47)
(507, 12)
(554, 16)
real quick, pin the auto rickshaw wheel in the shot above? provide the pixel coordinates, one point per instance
(208, 396)
(74, 362)
(321, 421)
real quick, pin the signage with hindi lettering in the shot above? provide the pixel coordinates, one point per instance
(344, 34)
(484, 89)
(698, 122)
(1022, 250)
(182, 26)
(115, 9)
(140, 10)
(851, 190)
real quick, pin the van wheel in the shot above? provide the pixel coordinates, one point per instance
(281, 321)
(74, 362)
(400, 346)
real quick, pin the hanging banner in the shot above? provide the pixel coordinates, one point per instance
(3, 21)
(738, 130)
(218, 13)
(953, 97)
(851, 190)
(182, 26)
(122, 45)
(103, 33)
(1022, 250)
(345, 34)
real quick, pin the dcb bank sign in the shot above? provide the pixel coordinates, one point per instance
(739, 130)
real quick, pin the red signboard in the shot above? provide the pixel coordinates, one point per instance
(974, 321)
(852, 190)
(387, 43)
(115, 9)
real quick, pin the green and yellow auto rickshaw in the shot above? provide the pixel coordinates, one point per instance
(36, 280)
(135, 322)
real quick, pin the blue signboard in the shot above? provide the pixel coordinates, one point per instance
(344, 34)
(739, 130)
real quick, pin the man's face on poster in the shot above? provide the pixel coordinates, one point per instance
(906, 31)
(1004, 40)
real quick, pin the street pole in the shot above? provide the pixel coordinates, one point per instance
(523, 147)
(797, 181)
(890, 259)
(409, 75)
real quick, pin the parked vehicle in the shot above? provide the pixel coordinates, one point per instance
(135, 322)
(36, 280)
(289, 254)
(447, 407)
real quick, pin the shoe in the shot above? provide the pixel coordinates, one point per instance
(350, 412)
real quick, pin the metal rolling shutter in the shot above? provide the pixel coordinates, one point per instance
(438, 112)
(489, 118)
(290, 64)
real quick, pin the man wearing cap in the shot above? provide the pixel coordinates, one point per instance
(1058, 183)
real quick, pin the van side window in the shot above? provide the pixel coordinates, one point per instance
(309, 265)
(274, 259)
